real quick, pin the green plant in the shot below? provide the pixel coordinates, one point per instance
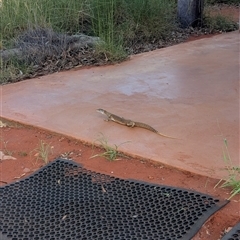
(43, 151)
(122, 23)
(215, 20)
(233, 179)
(219, 23)
(18, 15)
(103, 19)
(110, 52)
(111, 152)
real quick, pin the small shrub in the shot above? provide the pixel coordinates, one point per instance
(233, 178)
(220, 23)
(110, 152)
(43, 151)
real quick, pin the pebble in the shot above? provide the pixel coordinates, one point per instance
(26, 170)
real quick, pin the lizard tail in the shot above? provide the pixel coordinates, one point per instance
(145, 126)
(165, 135)
(148, 127)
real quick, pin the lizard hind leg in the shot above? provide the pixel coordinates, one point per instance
(131, 124)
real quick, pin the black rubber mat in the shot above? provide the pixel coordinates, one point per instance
(65, 201)
(234, 234)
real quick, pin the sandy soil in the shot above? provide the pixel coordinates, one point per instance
(22, 142)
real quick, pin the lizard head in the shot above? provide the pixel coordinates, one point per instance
(100, 110)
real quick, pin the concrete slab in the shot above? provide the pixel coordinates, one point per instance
(189, 91)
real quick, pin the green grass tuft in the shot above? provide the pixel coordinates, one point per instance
(111, 153)
(43, 151)
(233, 179)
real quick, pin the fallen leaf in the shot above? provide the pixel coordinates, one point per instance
(6, 157)
(103, 189)
(20, 176)
(228, 229)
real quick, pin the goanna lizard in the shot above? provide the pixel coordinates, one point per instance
(129, 123)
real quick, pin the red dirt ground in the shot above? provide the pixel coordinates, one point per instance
(21, 142)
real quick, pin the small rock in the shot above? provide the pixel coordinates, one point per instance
(26, 170)
(36, 155)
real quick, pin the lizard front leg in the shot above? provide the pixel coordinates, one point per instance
(109, 118)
